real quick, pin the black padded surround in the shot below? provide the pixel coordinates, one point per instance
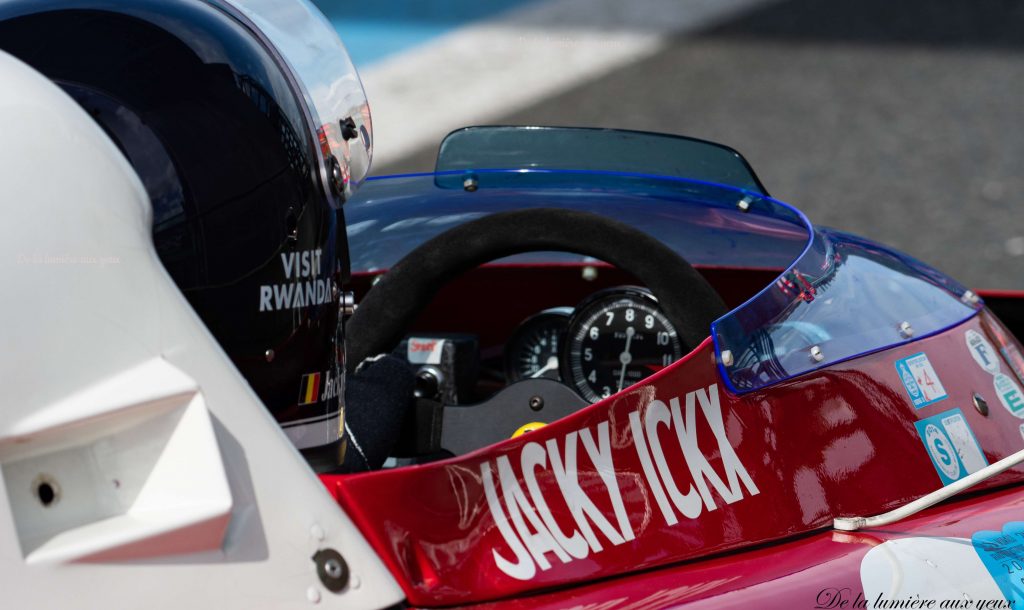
(397, 299)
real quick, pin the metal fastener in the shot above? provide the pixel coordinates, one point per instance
(816, 354)
(348, 129)
(470, 183)
(335, 176)
(332, 569)
(727, 357)
(536, 403)
(347, 304)
(269, 355)
(906, 330)
(969, 297)
(980, 404)
(744, 204)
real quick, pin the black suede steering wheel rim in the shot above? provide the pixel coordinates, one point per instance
(391, 306)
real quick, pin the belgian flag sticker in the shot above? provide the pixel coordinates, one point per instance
(309, 389)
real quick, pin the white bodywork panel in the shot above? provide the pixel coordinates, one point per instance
(929, 569)
(139, 470)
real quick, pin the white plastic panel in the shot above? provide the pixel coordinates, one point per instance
(94, 330)
(135, 480)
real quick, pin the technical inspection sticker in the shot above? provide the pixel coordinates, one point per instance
(920, 380)
(951, 445)
(1003, 555)
(982, 351)
(1009, 394)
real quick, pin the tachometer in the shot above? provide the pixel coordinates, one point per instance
(615, 339)
(534, 348)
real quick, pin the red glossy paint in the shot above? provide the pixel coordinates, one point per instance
(791, 575)
(1001, 294)
(837, 442)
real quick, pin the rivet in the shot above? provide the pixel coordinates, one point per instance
(906, 330)
(727, 357)
(269, 355)
(816, 354)
(313, 595)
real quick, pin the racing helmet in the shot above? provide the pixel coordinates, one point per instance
(249, 128)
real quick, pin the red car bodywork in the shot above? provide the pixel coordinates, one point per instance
(763, 473)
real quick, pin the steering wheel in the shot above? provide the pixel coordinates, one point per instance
(390, 307)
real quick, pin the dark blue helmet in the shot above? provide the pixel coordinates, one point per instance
(248, 140)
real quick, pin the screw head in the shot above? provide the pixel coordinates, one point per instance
(348, 129)
(335, 176)
(906, 330)
(816, 354)
(332, 569)
(727, 358)
(470, 183)
(269, 355)
(980, 404)
(744, 204)
(536, 403)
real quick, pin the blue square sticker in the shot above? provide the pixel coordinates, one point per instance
(920, 380)
(951, 445)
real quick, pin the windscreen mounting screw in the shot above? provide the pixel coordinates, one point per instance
(348, 129)
(744, 204)
(969, 297)
(727, 357)
(816, 354)
(536, 403)
(906, 330)
(470, 183)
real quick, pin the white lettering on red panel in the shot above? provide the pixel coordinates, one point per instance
(524, 518)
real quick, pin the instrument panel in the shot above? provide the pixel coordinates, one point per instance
(609, 341)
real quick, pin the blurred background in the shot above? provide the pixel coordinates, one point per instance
(901, 121)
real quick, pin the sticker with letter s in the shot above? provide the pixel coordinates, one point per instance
(951, 445)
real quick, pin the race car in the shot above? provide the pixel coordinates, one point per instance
(579, 368)
(670, 449)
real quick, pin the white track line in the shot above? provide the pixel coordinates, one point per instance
(494, 67)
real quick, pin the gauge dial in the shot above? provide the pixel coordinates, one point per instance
(615, 339)
(534, 348)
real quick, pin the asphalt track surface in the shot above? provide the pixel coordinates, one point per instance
(899, 121)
